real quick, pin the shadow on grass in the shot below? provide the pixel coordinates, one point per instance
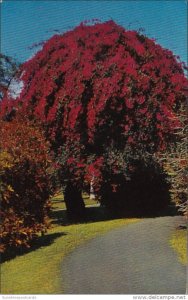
(93, 214)
(100, 213)
(169, 211)
(40, 242)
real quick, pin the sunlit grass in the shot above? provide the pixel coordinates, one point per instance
(179, 244)
(39, 271)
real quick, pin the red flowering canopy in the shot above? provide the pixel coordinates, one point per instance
(100, 86)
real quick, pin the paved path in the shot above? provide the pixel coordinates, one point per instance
(134, 259)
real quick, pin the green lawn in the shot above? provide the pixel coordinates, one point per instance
(39, 271)
(179, 244)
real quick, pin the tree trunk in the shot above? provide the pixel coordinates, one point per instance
(92, 194)
(74, 203)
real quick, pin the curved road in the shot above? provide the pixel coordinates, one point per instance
(134, 259)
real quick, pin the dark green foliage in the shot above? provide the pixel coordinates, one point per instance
(145, 193)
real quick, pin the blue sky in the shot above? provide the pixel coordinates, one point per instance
(30, 21)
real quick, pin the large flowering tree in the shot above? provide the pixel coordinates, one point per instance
(102, 93)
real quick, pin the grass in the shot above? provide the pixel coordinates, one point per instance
(39, 271)
(179, 244)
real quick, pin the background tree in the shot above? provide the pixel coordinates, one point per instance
(102, 87)
(175, 162)
(8, 70)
